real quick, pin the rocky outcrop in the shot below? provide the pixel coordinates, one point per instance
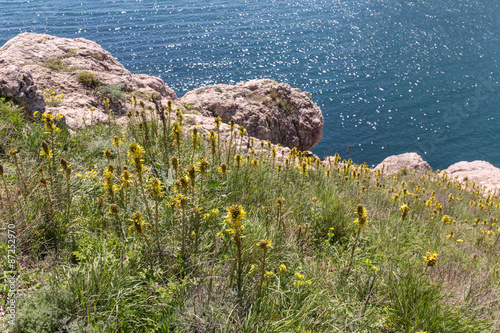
(481, 173)
(78, 68)
(267, 109)
(33, 67)
(409, 161)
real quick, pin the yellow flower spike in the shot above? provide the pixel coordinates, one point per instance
(46, 151)
(217, 121)
(50, 125)
(404, 210)
(106, 153)
(117, 142)
(362, 219)
(264, 244)
(431, 258)
(215, 212)
(155, 187)
(138, 223)
(282, 268)
(223, 170)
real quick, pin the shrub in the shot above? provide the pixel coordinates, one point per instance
(54, 64)
(113, 92)
(88, 79)
(42, 310)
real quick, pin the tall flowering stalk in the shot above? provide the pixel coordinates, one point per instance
(241, 132)
(117, 142)
(202, 168)
(126, 182)
(51, 129)
(4, 183)
(144, 124)
(265, 245)
(156, 191)
(213, 139)
(139, 225)
(66, 167)
(235, 214)
(279, 207)
(195, 140)
(47, 152)
(108, 174)
(361, 221)
(166, 125)
(136, 155)
(223, 170)
(174, 161)
(180, 200)
(43, 181)
(13, 152)
(113, 210)
(176, 133)
(217, 122)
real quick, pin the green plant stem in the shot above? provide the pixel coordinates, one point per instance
(352, 251)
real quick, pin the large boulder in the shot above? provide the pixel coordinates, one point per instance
(409, 161)
(267, 109)
(78, 68)
(481, 173)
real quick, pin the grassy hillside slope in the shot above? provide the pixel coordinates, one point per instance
(146, 228)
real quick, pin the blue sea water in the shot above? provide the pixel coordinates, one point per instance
(390, 76)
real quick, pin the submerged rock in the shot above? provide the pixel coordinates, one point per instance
(267, 109)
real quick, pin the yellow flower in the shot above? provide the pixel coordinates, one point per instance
(362, 219)
(264, 244)
(252, 268)
(155, 187)
(126, 181)
(268, 274)
(215, 212)
(106, 153)
(180, 200)
(50, 125)
(223, 170)
(235, 214)
(431, 258)
(46, 151)
(138, 223)
(404, 210)
(446, 219)
(116, 141)
(282, 268)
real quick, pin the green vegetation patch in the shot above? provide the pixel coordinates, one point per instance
(151, 227)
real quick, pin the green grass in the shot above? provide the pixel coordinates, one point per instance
(81, 269)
